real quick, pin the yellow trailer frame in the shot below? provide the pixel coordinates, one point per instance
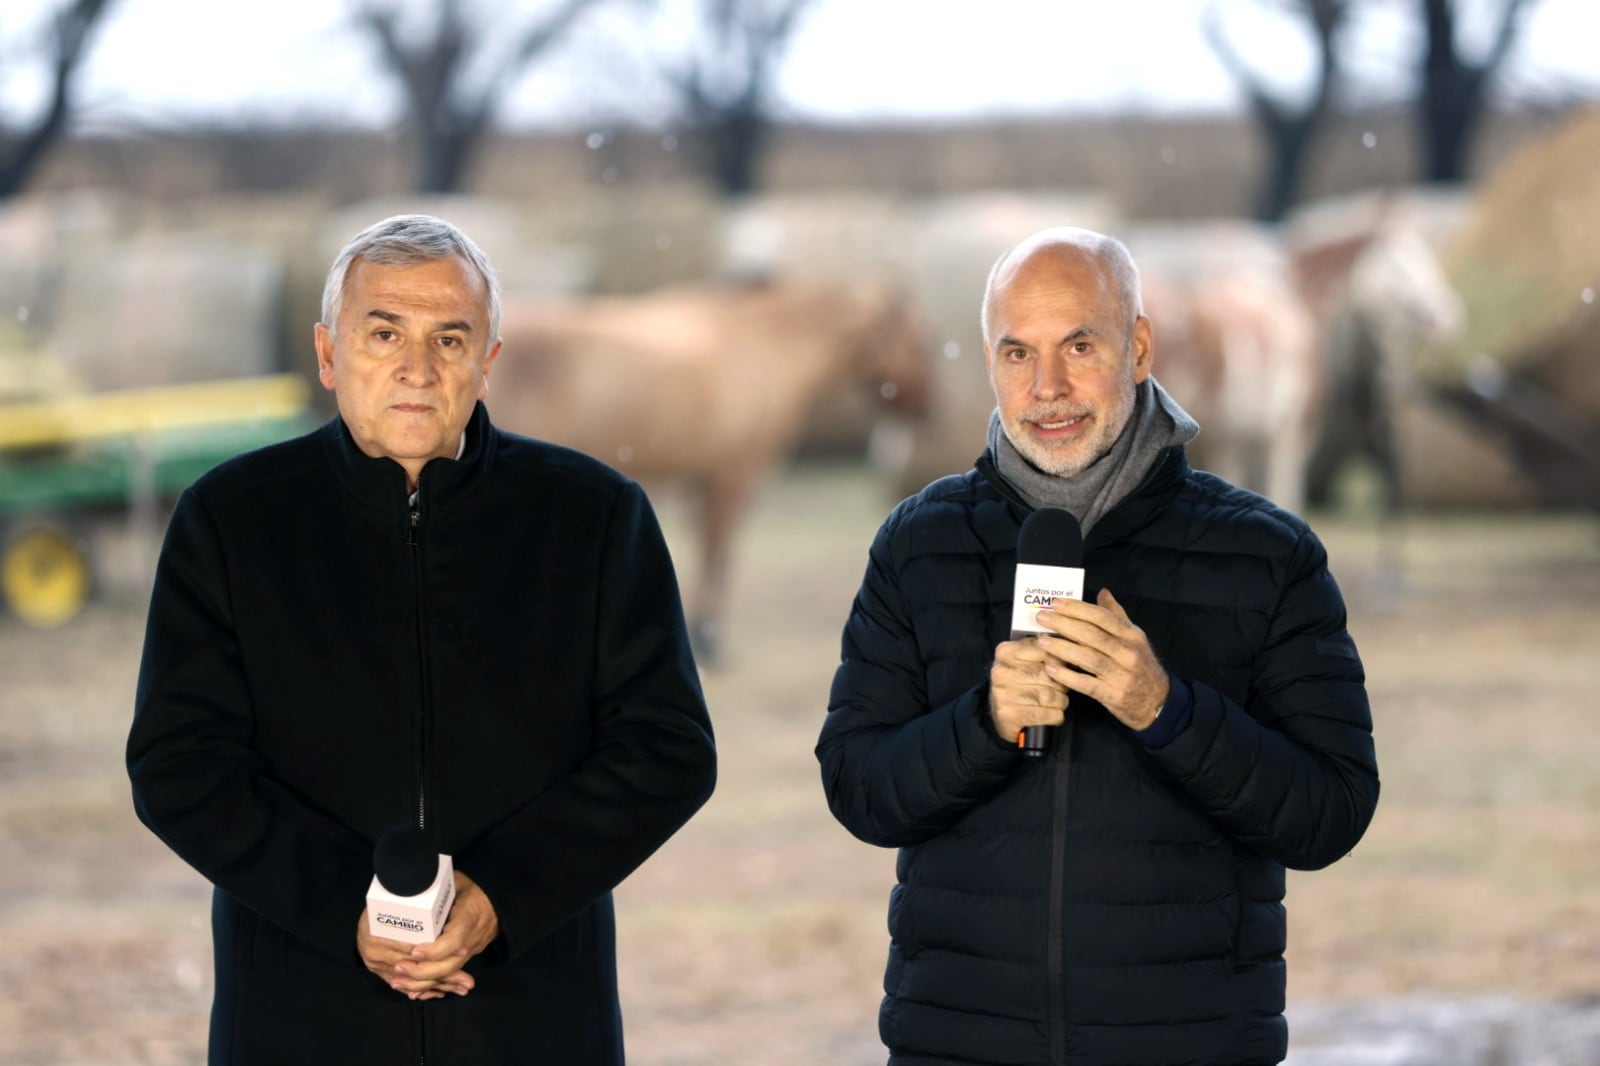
(116, 451)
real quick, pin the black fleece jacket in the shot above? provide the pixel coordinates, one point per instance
(1110, 903)
(505, 664)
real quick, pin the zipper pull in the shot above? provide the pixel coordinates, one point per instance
(414, 515)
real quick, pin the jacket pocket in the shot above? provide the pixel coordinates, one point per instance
(1238, 901)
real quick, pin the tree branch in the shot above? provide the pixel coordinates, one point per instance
(1289, 131)
(1266, 107)
(787, 18)
(723, 83)
(540, 37)
(1505, 36)
(448, 112)
(72, 29)
(382, 24)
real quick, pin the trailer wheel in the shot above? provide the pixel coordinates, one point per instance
(44, 574)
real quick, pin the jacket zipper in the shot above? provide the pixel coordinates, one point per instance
(1055, 951)
(413, 522)
(1055, 960)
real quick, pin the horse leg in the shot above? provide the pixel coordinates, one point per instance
(1230, 460)
(1381, 433)
(1338, 438)
(721, 504)
(693, 583)
(1286, 459)
(1334, 443)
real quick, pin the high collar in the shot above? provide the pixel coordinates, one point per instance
(1133, 512)
(381, 482)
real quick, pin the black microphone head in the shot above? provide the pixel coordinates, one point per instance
(404, 861)
(1050, 537)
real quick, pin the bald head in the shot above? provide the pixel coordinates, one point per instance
(1110, 254)
(1066, 346)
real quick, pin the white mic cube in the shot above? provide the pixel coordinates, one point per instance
(414, 919)
(1038, 587)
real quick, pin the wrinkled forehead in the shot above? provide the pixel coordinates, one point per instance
(447, 280)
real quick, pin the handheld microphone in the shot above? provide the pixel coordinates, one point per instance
(412, 887)
(1049, 566)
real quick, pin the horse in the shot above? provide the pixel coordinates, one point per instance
(705, 386)
(1292, 351)
(1393, 300)
(1236, 346)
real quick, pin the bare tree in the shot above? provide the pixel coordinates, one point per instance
(1454, 91)
(66, 43)
(725, 84)
(448, 111)
(1289, 130)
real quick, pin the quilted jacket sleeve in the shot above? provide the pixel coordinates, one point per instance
(1294, 776)
(897, 771)
(197, 782)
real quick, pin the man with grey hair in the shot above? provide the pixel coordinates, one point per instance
(411, 617)
(1120, 899)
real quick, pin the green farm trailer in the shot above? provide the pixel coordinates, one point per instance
(65, 461)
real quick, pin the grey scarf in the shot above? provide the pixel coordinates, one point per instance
(1156, 424)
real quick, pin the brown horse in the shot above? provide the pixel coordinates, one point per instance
(708, 387)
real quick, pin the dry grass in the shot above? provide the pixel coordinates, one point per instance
(757, 934)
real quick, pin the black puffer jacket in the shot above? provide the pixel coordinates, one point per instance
(1110, 903)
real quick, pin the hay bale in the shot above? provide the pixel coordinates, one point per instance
(662, 235)
(1566, 362)
(39, 235)
(156, 310)
(1527, 263)
(827, 238)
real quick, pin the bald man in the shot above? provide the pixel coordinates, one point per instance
(1119, 900)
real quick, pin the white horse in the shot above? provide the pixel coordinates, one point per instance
(1395, 302)
(1237, 348)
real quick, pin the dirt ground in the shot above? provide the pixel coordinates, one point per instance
(756, 936)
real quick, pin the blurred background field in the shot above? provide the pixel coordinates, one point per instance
(1401, 190)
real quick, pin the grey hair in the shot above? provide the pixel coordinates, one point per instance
(407, 240)
(1108, 250)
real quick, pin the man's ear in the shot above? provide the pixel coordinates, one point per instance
(1143, 342)
(324, 344)
(488, 364)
